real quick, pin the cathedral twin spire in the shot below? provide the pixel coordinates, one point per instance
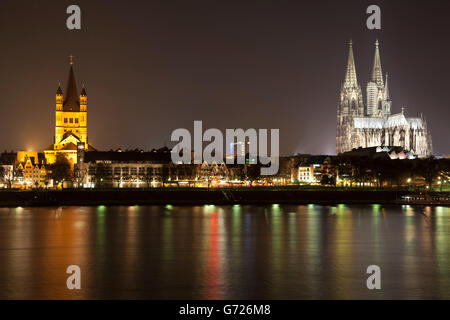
(350, 76)
(377, 72)
(371, 124)
(377, 89)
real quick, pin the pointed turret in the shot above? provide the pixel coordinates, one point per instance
(83, 99)
(59, 98)
(71, 102)
(59, 91)
(386, 89)
(350, 75)
(386, 103)
(377, 73)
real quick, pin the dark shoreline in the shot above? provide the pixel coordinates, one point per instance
(185, 196)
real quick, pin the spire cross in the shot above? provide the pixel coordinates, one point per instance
(71, 59)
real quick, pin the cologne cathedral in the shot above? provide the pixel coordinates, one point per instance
(372, 124)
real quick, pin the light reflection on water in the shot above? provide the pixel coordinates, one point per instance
(225, 252)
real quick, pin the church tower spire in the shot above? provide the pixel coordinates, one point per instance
(350, 75)
(386, 103)
(71, 102)
(386, 89)
(375, 87)
(377, 73)
(350, 105)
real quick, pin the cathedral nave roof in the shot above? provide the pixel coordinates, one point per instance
(392, 121)
(396, 120)
(415, 123)
(368, 123)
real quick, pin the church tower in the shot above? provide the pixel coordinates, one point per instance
(351, 104)
(71, 112)
(375, 87)
(70, 121)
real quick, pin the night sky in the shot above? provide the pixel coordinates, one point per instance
(153, 66)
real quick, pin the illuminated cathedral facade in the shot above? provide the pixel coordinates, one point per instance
(70, 122)
(372, 124)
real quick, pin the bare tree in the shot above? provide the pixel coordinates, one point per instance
(60, 171)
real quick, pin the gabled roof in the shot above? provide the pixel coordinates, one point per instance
(69, 146)
(395, 120)
(31, 159)
(68, 134)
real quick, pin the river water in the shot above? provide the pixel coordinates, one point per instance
(225, 252)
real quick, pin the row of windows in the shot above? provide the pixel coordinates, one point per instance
(127, 171)
(70, 120)
(76, 131)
